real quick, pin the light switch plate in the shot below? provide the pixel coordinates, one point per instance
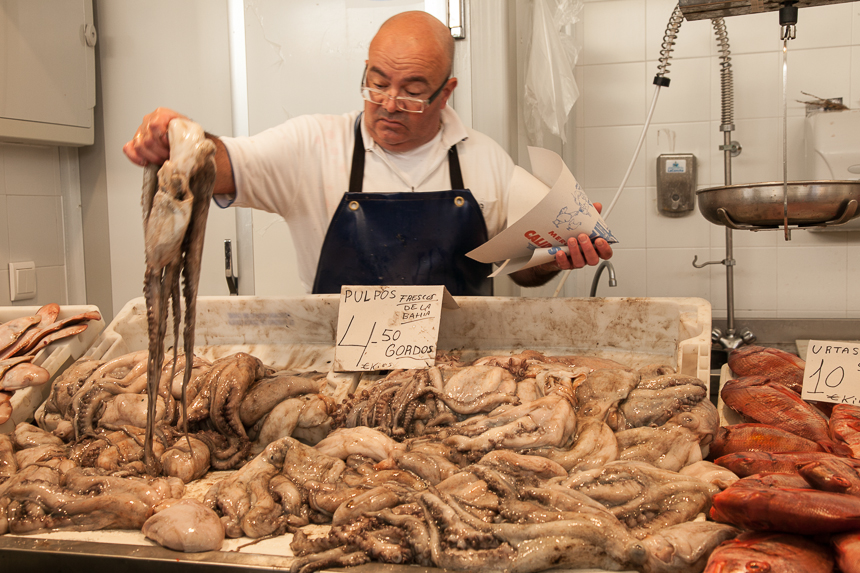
(22, 280)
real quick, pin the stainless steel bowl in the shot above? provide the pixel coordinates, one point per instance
(760, 205)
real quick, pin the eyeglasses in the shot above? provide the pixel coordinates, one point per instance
(407, 104)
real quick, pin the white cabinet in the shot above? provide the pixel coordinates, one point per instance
(47, 70)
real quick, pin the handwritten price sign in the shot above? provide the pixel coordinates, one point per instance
(387, 327)
(832, 372)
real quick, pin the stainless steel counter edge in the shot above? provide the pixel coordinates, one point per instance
(34, 555)
(788, 330)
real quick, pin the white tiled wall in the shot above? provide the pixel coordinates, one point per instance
(815, 275)
(31, 220)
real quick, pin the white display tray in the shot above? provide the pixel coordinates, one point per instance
(728, 417)
(298, 333)
(54, 358)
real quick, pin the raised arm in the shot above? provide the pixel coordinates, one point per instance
(150, 146)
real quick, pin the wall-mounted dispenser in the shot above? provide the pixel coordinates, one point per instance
(676, 183)
(832, 146)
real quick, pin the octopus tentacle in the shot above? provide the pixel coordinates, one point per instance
(202, 185)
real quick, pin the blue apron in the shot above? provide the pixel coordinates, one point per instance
(404, 238)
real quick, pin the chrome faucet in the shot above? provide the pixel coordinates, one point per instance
(600, 267)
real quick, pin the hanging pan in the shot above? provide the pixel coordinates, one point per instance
(762, 206)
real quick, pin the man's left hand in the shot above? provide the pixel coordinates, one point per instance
(582, 252)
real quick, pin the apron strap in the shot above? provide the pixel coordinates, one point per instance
(454, 169)
(356, 173)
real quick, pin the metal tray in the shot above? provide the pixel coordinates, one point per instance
(298, 333)
(759, 206)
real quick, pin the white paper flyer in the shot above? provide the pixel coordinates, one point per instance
(537, 236)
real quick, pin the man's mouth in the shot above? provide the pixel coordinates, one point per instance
(388, 119)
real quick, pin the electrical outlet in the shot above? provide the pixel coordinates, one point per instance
(22, 280)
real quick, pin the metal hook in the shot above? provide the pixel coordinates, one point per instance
(727, 262)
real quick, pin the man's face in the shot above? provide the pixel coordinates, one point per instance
(405, 70)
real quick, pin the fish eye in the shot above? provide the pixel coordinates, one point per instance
(757, 567)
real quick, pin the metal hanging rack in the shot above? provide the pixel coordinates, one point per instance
(785, 205)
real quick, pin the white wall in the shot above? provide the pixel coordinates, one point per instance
(159, 53)
(815, 275)
(31, 220)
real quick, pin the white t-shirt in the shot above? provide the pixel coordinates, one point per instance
(300, 170)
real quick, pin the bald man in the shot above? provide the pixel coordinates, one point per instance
(396, 194)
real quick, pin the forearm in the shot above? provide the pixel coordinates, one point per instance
(224, 184)
(535, 276)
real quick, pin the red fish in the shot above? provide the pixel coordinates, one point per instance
(774, 480)
(790, 510)
(834, 474)
(758, 438)
(845, 426)
(847, 551)
(749, 463)
(768, 402)
(779, 366)
(755, 552)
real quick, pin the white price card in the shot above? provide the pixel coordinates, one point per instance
(832, 372)
(387, 327)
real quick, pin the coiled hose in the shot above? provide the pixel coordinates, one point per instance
(726, 82)
(668, 45)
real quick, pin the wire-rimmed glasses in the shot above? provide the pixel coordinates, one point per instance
(407, 104)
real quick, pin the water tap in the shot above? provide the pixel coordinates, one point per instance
(596, 279)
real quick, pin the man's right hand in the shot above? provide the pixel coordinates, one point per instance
(150, 143)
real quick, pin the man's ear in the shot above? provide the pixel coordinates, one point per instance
(448, 90)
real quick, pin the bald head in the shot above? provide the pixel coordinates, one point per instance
(410, 58)
(421, 31)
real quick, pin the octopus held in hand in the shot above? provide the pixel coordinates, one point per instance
(175, 206)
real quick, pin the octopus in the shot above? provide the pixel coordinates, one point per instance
(186, 525)
(187, 459)
(5, 406)
(644, 497)
(361, 440)
(533, 467)
(479, 389)
(8, 463)
(175, 206)
(404, 403)
(655, 400)
(547, 421)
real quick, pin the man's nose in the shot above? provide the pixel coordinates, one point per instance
(390, 104)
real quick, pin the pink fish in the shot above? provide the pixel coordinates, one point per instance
(847, 548)
(771, 403)
(779, 366)
(845, 426)
(755, 552)
(790, 510)
(749, 463)
(758, 438)
(837, 475)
